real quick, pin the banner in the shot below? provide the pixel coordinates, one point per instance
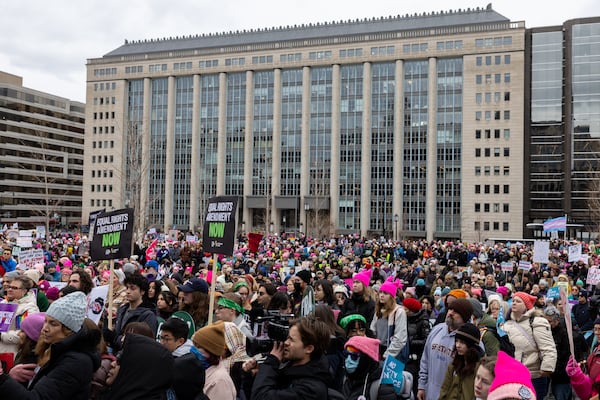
(219, 225)
(593, 275)
(575, 253)
(541, 250)
(28, 258)
(97, 302)
(7, 313)
(113, 234)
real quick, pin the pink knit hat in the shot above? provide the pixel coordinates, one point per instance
(528, 299)
(365, 345)
(391, 287)
(512, 380)
(363, 277)
(32, 325)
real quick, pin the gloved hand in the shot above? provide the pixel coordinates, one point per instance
(572, 367)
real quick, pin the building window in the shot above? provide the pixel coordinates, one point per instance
(488, 134)
(507, 59)
(486, 189)
(486, 170)
(507, 77)
(496, 207)
(496, 151)
(477, 189)
(506, 190)
(505, 207)
(477, 115)
(507, 134)
(496, 170)
(478, 134)
(507, 152)
(496, 133)
(477, 171)
(478, 98)
(496, 189)
(487, 152)
(496, 225)
(506, 171)
(505, 226)
(497, 78)
(488, 115)
(506, 96)
(497, 115)
(486, 226)
(478, 61)
(478, 79)
(497, 60)
(477, 152)
(488, 60)
(477, 207)
(506, 115)
(486, 207)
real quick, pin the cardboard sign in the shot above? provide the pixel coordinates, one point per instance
(97, 302)
(541, 250)
(113, 234)
(28, 258)
(575, 253)
(219, 226)
(593, 276)
(7, 313)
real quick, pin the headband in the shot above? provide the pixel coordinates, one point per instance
(346, 320)
(227, 303)
(239, 284)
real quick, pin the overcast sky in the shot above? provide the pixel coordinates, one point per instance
(48, 43)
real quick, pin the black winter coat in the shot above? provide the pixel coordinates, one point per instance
(356, 386)
(418, 327)
(286, 382)
(67, 375)
(356, 305)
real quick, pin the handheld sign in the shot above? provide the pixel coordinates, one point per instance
(7, 313)
(219, 225)
(113, 233)
(392, 373)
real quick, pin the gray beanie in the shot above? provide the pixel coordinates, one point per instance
(477, 308)
(70, 310)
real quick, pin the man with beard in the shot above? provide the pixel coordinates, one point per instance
(305, 369)
(439, 349)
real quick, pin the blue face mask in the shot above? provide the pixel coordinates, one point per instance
(351, 364)
(200, 357)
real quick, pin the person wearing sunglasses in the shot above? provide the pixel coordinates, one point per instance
(361, 362)
(8, 263)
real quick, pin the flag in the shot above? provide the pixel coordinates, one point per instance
(556, 224)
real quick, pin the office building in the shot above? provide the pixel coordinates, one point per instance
(402, 126)
(41, 173)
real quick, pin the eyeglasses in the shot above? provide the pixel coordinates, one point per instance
(354, 356)
(14, 288)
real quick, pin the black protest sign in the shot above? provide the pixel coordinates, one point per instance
(219, 225)
(113, 234)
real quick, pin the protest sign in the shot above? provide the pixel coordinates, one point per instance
(219, 226)
(567, 314)
(541, 250)
(112, 235)
(97, 302)
(24, 241)
(92, 222)
(574, 253)
(173, 234)
(593, 275)
(524, 265)
(28, 258)
(553, 293)
(7, 313)
(507, 266)
(391, 373)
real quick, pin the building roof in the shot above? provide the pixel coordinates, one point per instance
(313, 31)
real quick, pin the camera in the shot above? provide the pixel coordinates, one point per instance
(269, 329)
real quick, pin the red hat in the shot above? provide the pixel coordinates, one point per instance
(412, 304)
(528, 299)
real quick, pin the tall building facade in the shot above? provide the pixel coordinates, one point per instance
(41, 173)
(563, 124)
(407, 126)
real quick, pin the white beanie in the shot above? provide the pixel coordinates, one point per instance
(70, 310)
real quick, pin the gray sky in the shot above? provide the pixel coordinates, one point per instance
(48, 43)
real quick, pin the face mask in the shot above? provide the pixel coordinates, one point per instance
(297, 287)
(351, 364)
(200, 357)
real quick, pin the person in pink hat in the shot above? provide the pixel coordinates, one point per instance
(512, 380)
(532, 337)
(389, 323)
(360, 301)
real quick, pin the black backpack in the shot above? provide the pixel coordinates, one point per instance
(505, 344)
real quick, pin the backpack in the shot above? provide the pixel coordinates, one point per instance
(505, 344)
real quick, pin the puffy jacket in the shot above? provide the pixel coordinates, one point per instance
(539, 355)
(418, 327)
(397, 320)
(10, 340)
(301, 382)
(67, 375)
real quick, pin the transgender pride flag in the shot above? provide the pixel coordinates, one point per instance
(556, 224)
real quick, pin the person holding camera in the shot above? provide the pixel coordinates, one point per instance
(304, 373)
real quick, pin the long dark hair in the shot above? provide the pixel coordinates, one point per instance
(325, 314)
(466, 364)
(327, 287)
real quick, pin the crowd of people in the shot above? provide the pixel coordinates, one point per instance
(301, 318)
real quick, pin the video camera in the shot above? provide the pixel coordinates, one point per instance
(272, 328)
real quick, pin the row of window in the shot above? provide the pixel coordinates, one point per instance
(104, 100)
(383, 50)
(449, 45)
(487, 170)
(103, 144)
(102, 188)
(487, 189)
(101, 203)
(262, 60)
(208, 63)
(134, 69)
(494, 206)
(319, 55)
(488, 151)
(178, 66)
(497, 41)
(351, 53)
(104, 115)
(497, 60)
(487, 134)
(494, 224)
(105, 71)
(479, 79)
(235, 61)
(103, 129)
(157, 67)
(102, 173)
(415, 47)
(479, 97)
(488, 115)
(105, 86)
(102, 159)
(292, 57)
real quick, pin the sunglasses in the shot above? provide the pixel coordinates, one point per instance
(354, 356)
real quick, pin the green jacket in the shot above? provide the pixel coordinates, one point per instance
(455, 387)
(489, 339)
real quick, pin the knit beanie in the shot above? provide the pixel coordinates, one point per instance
(528, 299)
(458, 293)
(363, 277)
(352, 317)
(390, 286)
(304, 275)
(512, 380)
(32, 325)
(211, 338)
(412, 304)
(463, 307)
(503, 290)
(52, 293)
(70, 310)
(469, 334)
(365, 345)
(477, 308)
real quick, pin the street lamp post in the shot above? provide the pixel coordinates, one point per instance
(306, 209)
(396, 219)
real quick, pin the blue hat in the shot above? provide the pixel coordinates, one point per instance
(152, 264)
(194, 285)
(445, 291)
(420, 282)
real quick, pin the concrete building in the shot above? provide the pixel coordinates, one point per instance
(403, 126)
(41, 173)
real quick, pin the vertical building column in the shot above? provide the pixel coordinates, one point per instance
(194, 178)
(305, 160)
(398, 183)
(276, 152)
(170, 161)
(430, 205)
(248, 148)
(365, 165)
(334, 189)
(145, 170)
(222, 135)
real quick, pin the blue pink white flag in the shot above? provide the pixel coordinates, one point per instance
(556, 224)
